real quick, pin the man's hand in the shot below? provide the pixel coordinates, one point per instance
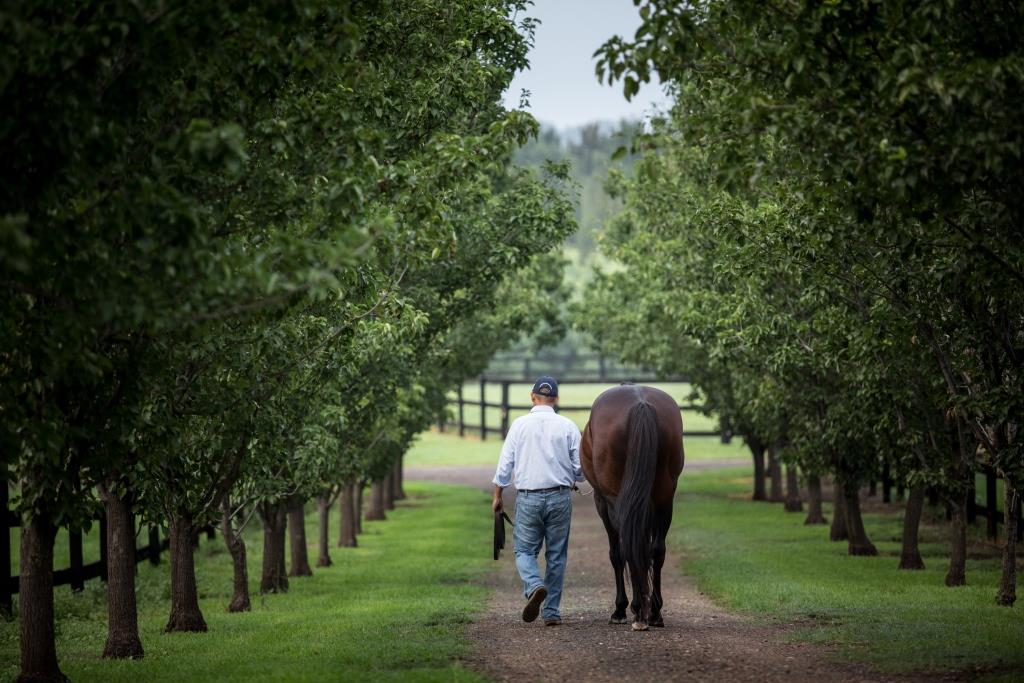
(496, 502)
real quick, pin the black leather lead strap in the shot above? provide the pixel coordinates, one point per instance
(500, 518)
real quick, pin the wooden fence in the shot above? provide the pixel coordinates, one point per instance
(990, 511)
(581, 367)
(77, 573)
(480, 406)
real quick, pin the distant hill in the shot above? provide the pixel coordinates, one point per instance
(589, 150)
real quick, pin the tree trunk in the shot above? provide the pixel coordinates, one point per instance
(757, 451)
(344, 511)
(236, 546)
(400, 479)
(122, 613)
(793, 503)
(323, 504)
(814, 513)
(387, 486)
(347, 538)
(376, 510)
(838, 532)
(886, 483)
(910, 557)
(393, 482)
(1008, 581)
(857, 538)
(357, 514)
(185, 614)
(35, 603)
(273, 578)
(957, 574)
(297, 537)
(775, 472)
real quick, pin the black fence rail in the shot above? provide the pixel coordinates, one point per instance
(78, 572)
(480, 407)
(582, 367)
(990, 511)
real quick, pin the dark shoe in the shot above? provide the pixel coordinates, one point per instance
(532, 608)
(553, 622)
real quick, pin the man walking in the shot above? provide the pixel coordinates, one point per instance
(541, 456)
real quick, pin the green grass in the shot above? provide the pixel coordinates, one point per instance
(758, 559)
(433, 449)
(393, 609)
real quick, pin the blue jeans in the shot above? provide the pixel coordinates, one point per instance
(543, 518)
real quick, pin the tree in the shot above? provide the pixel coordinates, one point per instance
(903, 119)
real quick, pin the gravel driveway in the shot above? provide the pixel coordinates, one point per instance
(700, 641)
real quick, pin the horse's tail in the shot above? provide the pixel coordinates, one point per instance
(633, 507)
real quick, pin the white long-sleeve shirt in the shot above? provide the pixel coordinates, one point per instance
(542, 450)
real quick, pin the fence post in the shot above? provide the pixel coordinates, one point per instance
(483, 409)
(602, 370)
(462, 413)
(504, 409)
(992, 526)
(75, 551)
(5, 546)
(103, 546)
(154, 544)
(526, 368)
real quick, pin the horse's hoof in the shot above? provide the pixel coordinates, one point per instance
(617, 620)
(639, 626)
(659, 623)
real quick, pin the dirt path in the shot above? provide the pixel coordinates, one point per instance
(700, 641)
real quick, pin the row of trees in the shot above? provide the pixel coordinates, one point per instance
(246, 250)
(825, 233)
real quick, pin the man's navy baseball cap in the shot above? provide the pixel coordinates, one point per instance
(546, 386)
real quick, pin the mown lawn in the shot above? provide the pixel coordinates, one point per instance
(393, 609)
(758, 559)
(433, 449)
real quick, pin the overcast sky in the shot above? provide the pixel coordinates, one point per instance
(564, 91)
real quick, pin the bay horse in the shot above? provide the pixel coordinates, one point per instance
(632, 454)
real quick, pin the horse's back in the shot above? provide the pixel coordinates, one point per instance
(605, 439)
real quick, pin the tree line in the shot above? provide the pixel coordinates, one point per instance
(825, 234)
(246, 251)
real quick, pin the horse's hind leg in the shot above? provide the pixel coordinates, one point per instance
(615, 555)
(662, 521)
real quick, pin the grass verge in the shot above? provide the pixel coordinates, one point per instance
(758, 559)
(393, 609)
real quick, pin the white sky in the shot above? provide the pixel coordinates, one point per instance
(564, 92)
